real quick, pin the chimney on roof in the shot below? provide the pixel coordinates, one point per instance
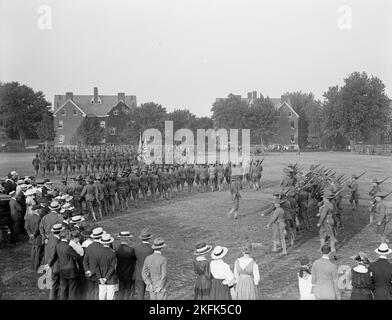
(254, 95)
(249, 95)
(69, 95)
(95, 94)
(121, 96)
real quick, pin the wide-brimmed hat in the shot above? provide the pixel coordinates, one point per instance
(54, 205)
(30, 192)
(383, 249)
(219, 252)
(202, 248)
(77, 218)
(97, 233)
(57, 227)
(106, 239)
(20, 181)
(125, 234)
(145, 234)
(158, 243)
(68, 198)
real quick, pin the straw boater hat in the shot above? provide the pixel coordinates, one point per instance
(219, 252)
(54, 205)
(125, 234)
(106, 239)
(159, 243)
(76, 219)
(12, 193)
(57, 228)
(383, 249)
(145, 235)
(202, 248)
(97, 233)
(68, 198)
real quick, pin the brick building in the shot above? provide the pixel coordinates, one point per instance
(70, 110)
(287, 120)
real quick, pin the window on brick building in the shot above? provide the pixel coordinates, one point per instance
(112, 131)
(75, 112)
(60, 124)
(292, 138)
(63, 112)
(102, 124)
(61, 138)
(290, 113)
(292, 124)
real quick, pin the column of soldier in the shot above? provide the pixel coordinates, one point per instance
(319, 193)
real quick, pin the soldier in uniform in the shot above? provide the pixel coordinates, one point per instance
(64, 164)
(75, 190)
(44, 164)
(235, 194)
(277, 221)
(203, 177)
(153, 183)
(122, 190)
(90, 193)
(111, 186)
(102, 195)
(143, 181)
(354, 196)
(220, 171)
(58, 163)
(134, 186)
(380, 216)
(72, 164)
(211, 176)
(254, 173)
(326, 221)
(190, 177)
(182, 176)
(36, 163)
(289, 216)
(79, 162)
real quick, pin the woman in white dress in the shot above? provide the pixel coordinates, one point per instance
(223, 278)
(305, 280)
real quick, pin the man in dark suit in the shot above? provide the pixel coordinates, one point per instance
(126, 261)
(16, 217)
(32, 228)
(381, 271)
(10, 184)
(50, 250)
(141, 252)
(104, 267)
(92, 250)
(69, 273)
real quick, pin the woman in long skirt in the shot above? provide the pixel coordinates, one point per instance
(246, 272)
(202, 270)
(223, 277)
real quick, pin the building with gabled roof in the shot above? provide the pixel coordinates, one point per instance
(70, 110)
(287, 135)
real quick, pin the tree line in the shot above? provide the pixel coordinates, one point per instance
(351, 113)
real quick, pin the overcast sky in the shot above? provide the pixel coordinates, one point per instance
(185, 53)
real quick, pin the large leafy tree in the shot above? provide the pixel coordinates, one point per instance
(306, 106)
(90, 131)
(364, 106)
(230, 113)
(45, 128)
(21, 109)
(181, 119)
(262, 120)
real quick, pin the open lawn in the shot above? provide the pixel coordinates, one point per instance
(192, 218)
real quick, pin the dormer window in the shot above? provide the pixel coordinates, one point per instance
(75, 112)
(290, 114)
(63, 113)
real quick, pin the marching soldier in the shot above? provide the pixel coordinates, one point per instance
(354, 196)
(90, 193)
(102, 195)
(235, 194)
(36, 162)
(277, 221)
(381, 217)
(111, 186)
(190, 177)
(326, 221)
(134, 186)
(143, 181)
(375, 188)
(153, 183)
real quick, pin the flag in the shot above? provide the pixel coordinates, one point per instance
(139, 150)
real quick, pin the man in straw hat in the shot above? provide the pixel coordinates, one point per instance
(381, 271)
(92, 250)
(141, 252)
(50, 249)
(277, 221)
(154, 271)
(16, 217)
(104, 267)
(326, 221)
(125, 268)
(49, 220)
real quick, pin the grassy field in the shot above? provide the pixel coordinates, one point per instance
(192, 218)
